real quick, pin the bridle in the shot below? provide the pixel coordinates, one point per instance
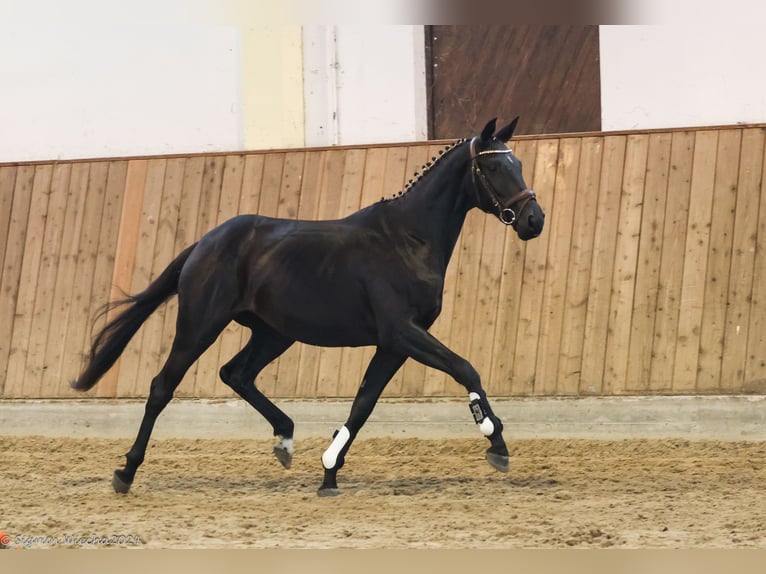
(508, 215)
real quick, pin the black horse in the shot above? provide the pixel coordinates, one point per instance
(372, 278)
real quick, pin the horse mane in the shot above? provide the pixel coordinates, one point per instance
(418, 176)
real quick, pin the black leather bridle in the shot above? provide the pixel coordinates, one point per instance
(515, 205)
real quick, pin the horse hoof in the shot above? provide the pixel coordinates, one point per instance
(119, 485)
(283, 456)
(498, 461)
(327, 492)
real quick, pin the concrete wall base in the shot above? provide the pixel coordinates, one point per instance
(728, 418)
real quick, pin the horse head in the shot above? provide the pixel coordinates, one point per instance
(499, 185)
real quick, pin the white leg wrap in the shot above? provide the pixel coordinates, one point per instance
(485, 426)
(330, 456)
(287, 444)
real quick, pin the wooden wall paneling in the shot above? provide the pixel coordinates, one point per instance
(145, 346)
(330, 207)
(121, 379)
(648, 263)
(105, 262)
(739, 298)
(626, 257)
(671, 263)
(46, 282)
(158, 239)
(55, 380)
(12, 271)
(755, 365)
(533, 282)
(586, 192)
(28, 282)
(602, 265)
(560, 227)
(509, 289)
(721, 232)
(695, 262)
(79, 333)
(7, 184)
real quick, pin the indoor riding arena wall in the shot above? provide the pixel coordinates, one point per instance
(649, 278)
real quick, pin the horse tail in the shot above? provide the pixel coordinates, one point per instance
(111, 341)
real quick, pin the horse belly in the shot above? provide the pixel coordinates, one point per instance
(318, 316)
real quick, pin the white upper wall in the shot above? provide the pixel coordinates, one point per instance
(79, 82)
(364, 84)
(678, 75)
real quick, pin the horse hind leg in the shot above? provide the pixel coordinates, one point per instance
(184, 352)
(264, 346)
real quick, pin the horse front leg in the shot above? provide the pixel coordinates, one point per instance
(425, 348)
(381, 369)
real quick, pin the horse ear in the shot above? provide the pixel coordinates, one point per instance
(489, 129)
(506, 133)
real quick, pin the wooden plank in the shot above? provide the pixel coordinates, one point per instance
(602, 266)
(626, 257)
(745, 239)
(12, 269)
(270, 184)
(78, 336)
(648, 264)
(145, 347)
(695, 262)
(509, 295)
(579, 265)
(55, 378)
(28, 281)
(105, 261)
(560, 226)
(117, 380)
(7, 184)
(671, 263)
(533, 282)
(755, 366)
(159, 239)
(719, 262)
(46, 283)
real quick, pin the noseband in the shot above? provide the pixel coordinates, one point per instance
(508, 215)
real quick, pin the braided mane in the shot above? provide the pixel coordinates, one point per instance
(417, 176)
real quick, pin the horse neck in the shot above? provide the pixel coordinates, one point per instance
(435, 207)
